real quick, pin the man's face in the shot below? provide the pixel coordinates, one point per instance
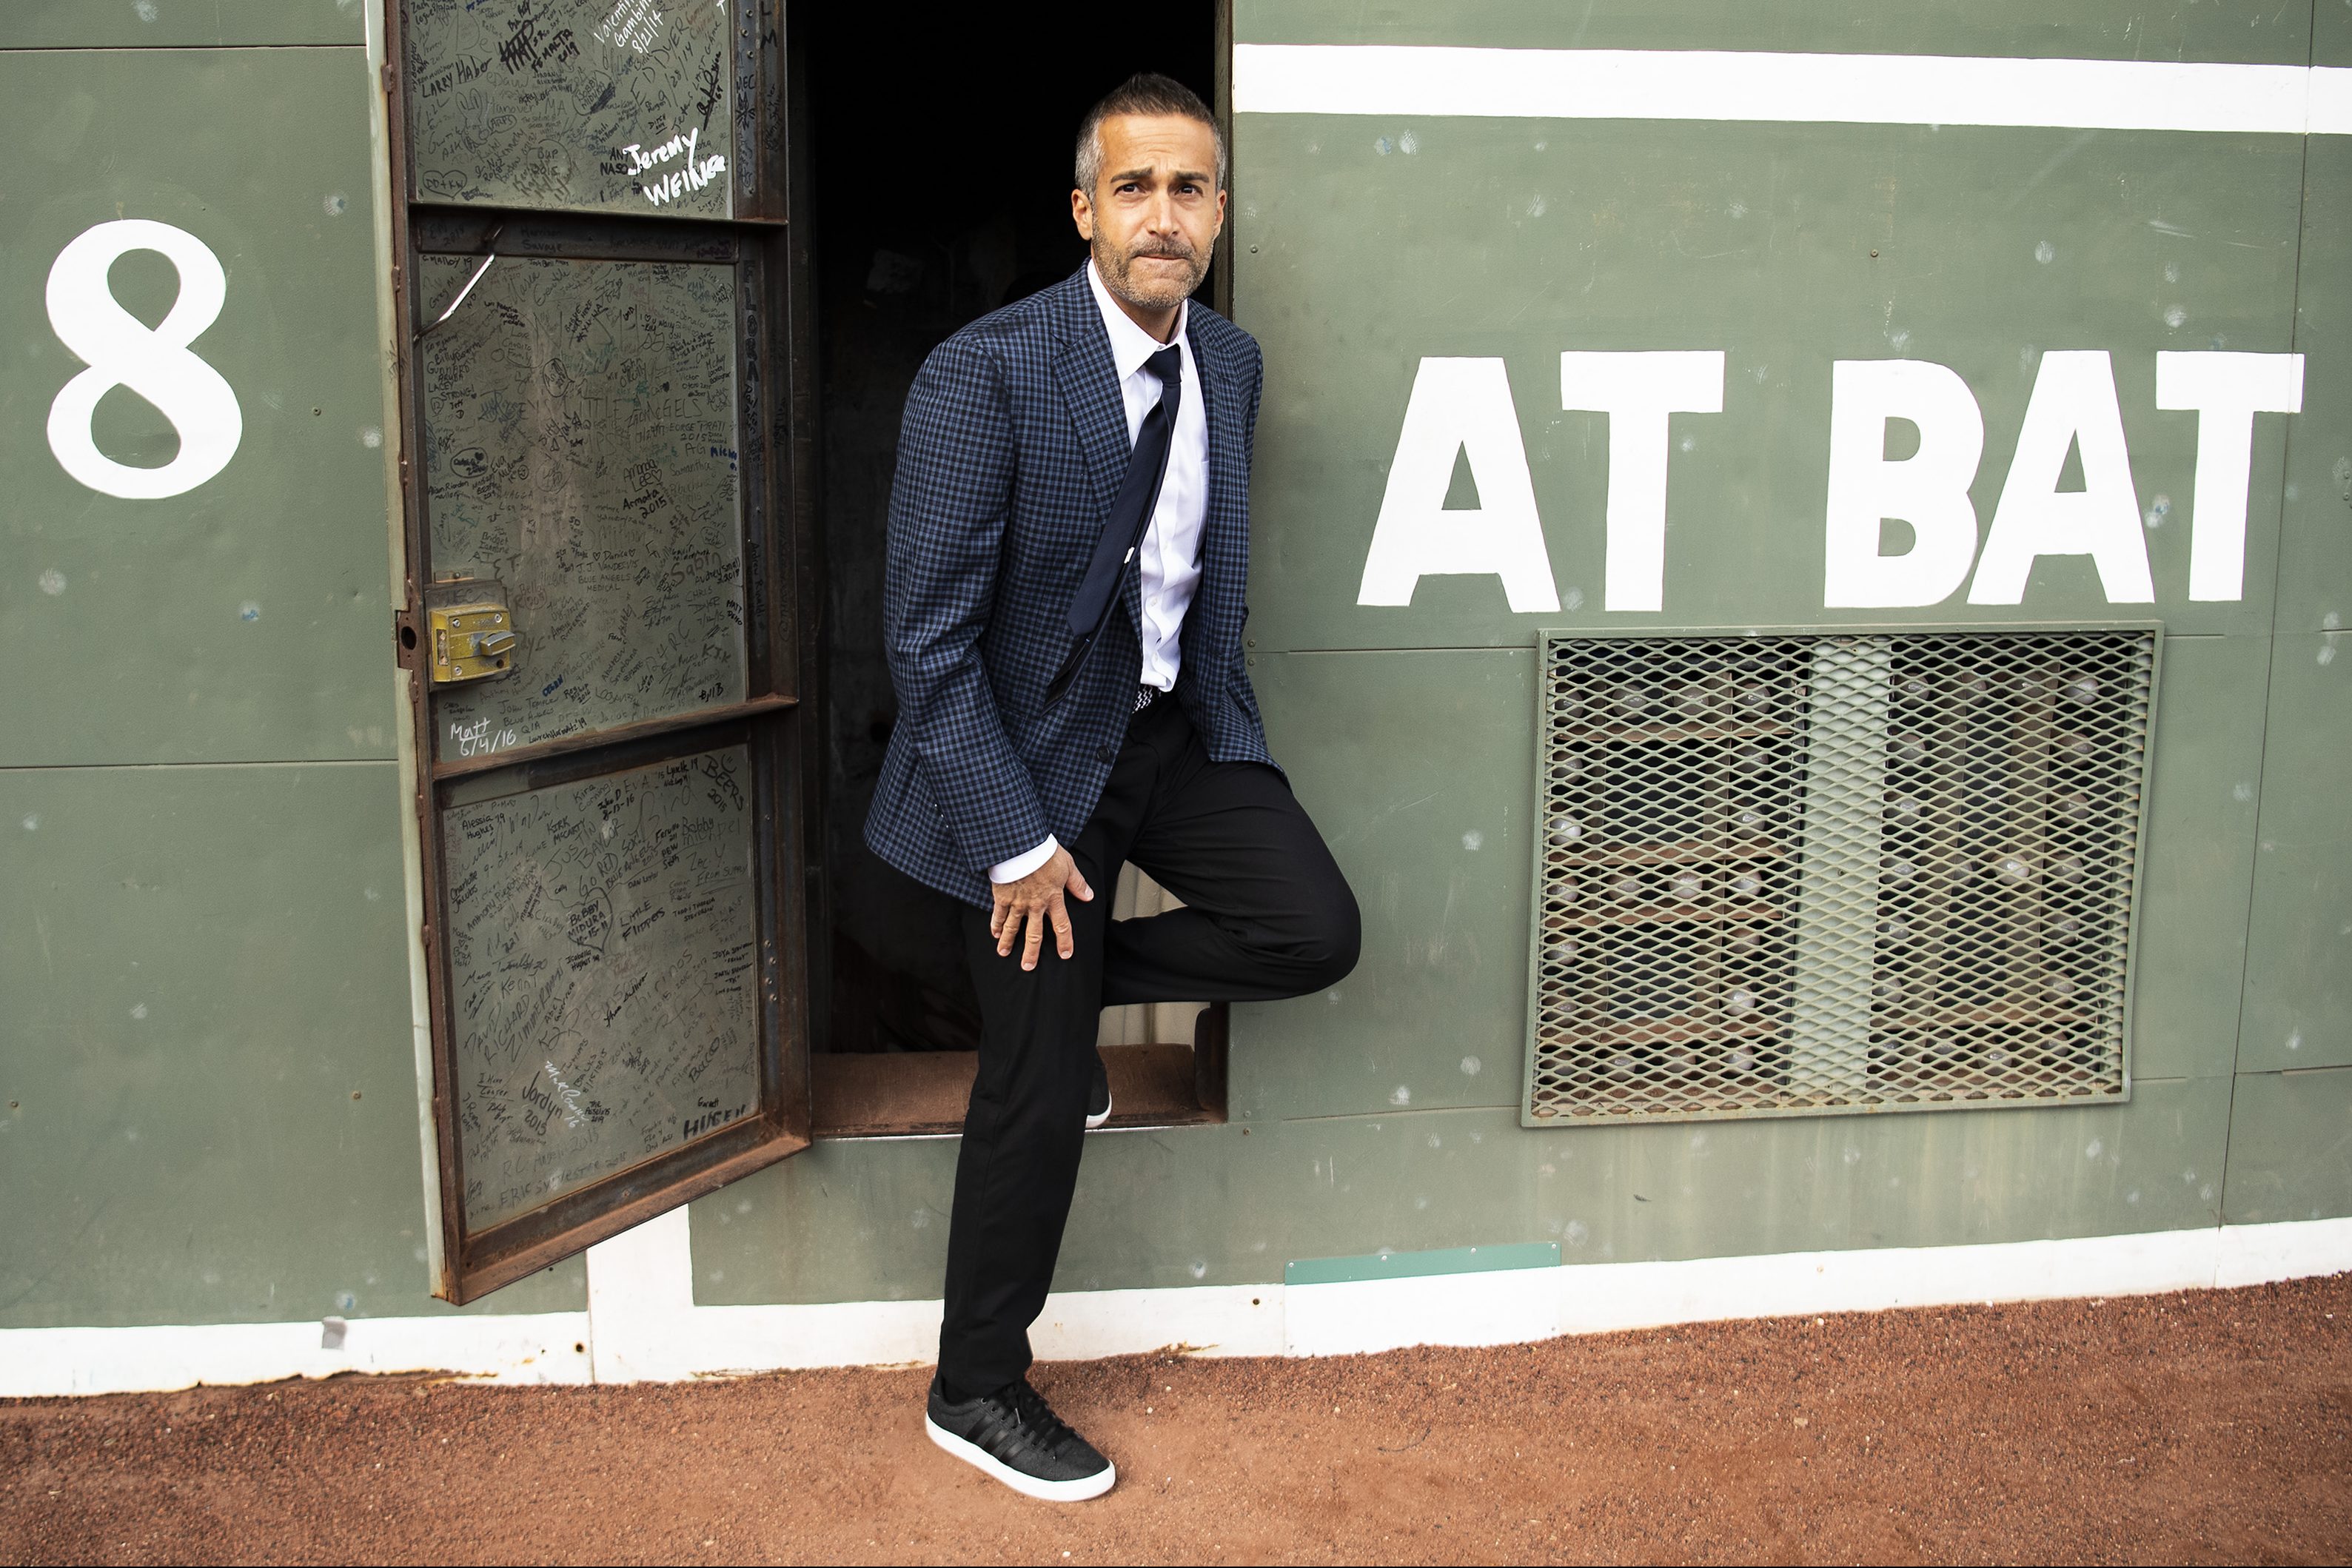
(1155, 210)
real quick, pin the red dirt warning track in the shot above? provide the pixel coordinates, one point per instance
(2212, 1427)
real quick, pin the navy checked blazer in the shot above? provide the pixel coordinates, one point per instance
(1014, 445)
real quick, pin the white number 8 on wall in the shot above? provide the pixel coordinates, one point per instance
(122, 351)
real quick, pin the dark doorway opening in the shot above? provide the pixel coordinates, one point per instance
(938, 173)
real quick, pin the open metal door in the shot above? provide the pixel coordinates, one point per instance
(600, 624)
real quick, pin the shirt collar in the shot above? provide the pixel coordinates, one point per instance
(1130, 345)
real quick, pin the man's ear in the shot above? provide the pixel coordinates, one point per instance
(1082, 213)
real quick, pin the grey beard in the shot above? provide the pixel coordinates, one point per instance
(1116, 279)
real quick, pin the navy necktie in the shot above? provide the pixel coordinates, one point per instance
(1131, 514)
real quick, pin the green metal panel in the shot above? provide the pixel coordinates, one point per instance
(1415, 766)
(876, 1210)
(1926, 1181)
(2197, 861)
(2298, 1001)
(177, 23)
(1530, 237)
(866, 1219)
(1235, 1204)
(2314, 587)
(2290, 1147)
(2089, 29)
(246, 618)
(210, 1083)
(1619, 1194)
(2331, 33)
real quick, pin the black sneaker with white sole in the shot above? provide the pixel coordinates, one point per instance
(1014, 1435)
(1099, 1097)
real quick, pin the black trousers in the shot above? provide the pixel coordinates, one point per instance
(1267, 915)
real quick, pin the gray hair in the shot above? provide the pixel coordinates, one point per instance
(1147, 92)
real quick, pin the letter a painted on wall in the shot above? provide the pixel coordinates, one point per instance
(2072, 404)
(1460, 407)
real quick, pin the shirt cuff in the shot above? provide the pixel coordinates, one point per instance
(1020, 866)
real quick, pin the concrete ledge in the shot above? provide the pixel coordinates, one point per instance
(641, 1324)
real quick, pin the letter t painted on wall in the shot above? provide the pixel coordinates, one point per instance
(1637, 391)
(2227, 390)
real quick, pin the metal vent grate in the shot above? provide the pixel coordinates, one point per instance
(1792, 874)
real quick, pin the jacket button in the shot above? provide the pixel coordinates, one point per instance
(1105, 753)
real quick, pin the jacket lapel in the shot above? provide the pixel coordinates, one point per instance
(1222, 402)
(1089, 384)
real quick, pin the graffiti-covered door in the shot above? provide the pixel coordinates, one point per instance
(600, 632)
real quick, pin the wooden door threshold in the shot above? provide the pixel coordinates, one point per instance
(902, 1094)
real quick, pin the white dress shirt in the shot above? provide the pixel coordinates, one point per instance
(1170, 556)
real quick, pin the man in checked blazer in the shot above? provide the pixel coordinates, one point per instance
(1067, 564)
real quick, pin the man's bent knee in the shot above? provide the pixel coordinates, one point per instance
(1331, 942)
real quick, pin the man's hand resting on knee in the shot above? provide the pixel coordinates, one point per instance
(1033, 903)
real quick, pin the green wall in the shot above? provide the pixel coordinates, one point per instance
(1385, 1112)
(206, 1052)
(206, 1055)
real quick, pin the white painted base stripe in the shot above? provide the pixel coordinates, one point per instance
(1748, 85)
(1505, 1307)
(520, 1348)
(1209, 1320)
(642, 1325)
(1603, 1298)
(1218, 1319)
(1646, 1294)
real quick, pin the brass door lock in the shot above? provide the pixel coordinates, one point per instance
(470, 632)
